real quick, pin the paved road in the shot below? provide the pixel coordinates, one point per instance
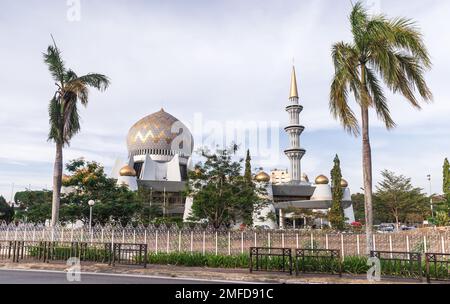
(56, 277)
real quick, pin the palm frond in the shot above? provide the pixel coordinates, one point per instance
(345, 79)
(379, 101)
(55, 63)
(55, 120)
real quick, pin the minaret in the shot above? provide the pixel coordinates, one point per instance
(294, 130)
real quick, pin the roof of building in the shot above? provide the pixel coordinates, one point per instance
(155, 134)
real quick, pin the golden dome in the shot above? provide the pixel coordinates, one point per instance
(344, 183)
(262, 177)
(159, 134)
(127, 171)
(322, 180)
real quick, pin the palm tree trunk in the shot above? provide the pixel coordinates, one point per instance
(367, 176)
(57, 181)
(367, 163)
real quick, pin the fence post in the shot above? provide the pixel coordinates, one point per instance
(326, 241)
(204, 240)
(282, 239)
(358, 250)
(256, 245)
(374, 242)
(216, 243)
(192, 241)
(407, 243)
(268, 239)
(242, 242)
(342, 247)
(425, 248)
(312, 240)
(134, 236)
(145, 237)
(443, 244)
(179, 241)
(296, 240)
(229, 242)
(168, 241)
(390, 246)
(156, 241)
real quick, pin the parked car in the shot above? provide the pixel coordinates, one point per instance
(386, 228)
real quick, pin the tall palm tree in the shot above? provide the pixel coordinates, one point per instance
(384, 53)
(71, 89)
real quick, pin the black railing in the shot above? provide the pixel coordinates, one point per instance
(318, 261)
(271, 259)
(400, 264)
(126, 254)
(130, 254)
(437, 267)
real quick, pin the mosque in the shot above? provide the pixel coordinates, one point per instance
(160, 155)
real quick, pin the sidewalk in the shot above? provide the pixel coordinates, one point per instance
(208, 273)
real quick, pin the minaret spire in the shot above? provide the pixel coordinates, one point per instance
(294, 130)
(294, 90)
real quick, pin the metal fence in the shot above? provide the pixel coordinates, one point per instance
(271, 259)
(437, 267)
(318, 261)
(207, 240)
(400, 264)
(47, 251)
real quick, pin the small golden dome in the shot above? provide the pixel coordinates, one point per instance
(344, 183)
(127, 171)
(262, 177)
(322, 180)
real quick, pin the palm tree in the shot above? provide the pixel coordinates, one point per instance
(63, 112)
(388, 52)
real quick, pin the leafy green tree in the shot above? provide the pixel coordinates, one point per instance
(71, 89)
(33, 206)
(87, 181)
(248, 168)
(379, 210)
(6, 211)
(383, 50)
(221, 195)
(400, 199)
(336, 214)
(446, 179)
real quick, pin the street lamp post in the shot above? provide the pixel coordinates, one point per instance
(431, 196)
(91, 204)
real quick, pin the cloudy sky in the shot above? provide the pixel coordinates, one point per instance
(209, 63)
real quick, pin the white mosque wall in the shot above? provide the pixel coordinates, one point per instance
(322, 193)
(129, 181)
(148, 169)
(118, 164)
(187, 208)
(349, 214)
(173, 169)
